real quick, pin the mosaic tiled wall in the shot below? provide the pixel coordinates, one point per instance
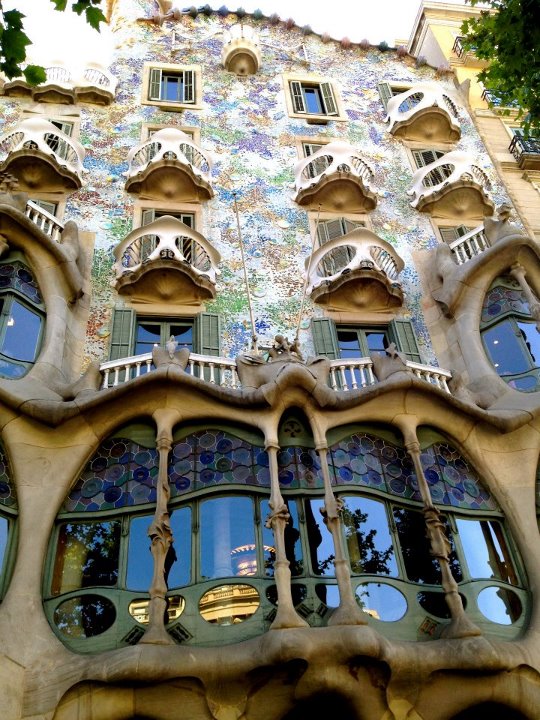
(244, 124)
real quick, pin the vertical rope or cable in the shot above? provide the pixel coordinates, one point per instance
(308, 270)
(241, 244)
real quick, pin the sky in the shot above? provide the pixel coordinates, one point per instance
(60, 35)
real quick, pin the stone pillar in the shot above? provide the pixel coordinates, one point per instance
(286, 616)
(160, 534)
(460, 625)
(348, 612)
(518, 272)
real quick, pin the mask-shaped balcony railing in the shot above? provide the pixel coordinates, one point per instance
(42, 156)
(357, 270)
(241, 54)
(424, 112)
(169, 164)
(337, 178)
(96, 85)
(452, 186)
(170, 247)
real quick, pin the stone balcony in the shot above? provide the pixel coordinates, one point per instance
(42, 157)
(452, 187)
(424, 112)
(165, 261)
(336, 178)
(94, 85)
(241, 53)
(358, 271)
(169, 165)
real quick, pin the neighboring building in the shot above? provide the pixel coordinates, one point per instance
(436, 36)
(341, 509)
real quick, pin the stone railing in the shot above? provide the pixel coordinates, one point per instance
(46, 222)
(418, 98)
(345, 375)
(39, 134)
(359, 249)
(336, 157)
(453, 168)
(58, 75)
(167, 239)
(97, 75)
(169, 144)
(469, 245)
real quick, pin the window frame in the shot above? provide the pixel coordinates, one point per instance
(149, 83)
(330, 97)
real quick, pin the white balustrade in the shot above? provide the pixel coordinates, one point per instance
(452, 168)
(58, 74)
(167, 238)
(420, 97)
(360, 248)
(335, 157)
(39, 134)
(345, 374)
(97, 75)
(240, 32)
(44, 221)
(169, 144)
(469, 245)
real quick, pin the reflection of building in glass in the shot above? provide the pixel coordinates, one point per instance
(328, 511)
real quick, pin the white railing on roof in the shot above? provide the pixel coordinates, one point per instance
(453, 167)
(360, 248)
(44, 220)
(241, 32)
(422, 96)
(169, 144)
(469, 245)
(97, 75)
(58, 74)
(335, 157)
(167, 238)
(39, 134)
(345, 375)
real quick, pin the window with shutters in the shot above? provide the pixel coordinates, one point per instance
(453, 232)
(172, 86)
(315, 99)
(426, 157)
(388, 90)
(336, 227)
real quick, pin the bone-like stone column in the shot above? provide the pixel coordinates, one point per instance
(460, 624)
(160, 534)
(518, 272)
(348, 612)
(286, 616)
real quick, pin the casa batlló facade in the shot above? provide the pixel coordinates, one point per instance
(268, 386)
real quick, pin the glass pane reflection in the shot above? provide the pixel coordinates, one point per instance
(180, 554)
(368, 537)
(228, 537)
(3, 539)
(140, 563)
(86, 556)
(486, 550)
(499, 605)
(22, 333)
(505, 350)
(293, 545)
(321, 547)
(229, 604)
(139, 609)
(84, 616)
(381, 601)
(329, 594)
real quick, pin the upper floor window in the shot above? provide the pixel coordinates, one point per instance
(388, 90)
(8, 514)
(510, 335)
(451, 233)
(21, 319)
(171, 86)
(336, 227)
(313, 98)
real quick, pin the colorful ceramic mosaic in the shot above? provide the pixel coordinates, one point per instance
(503, 299)
(214, 457)
(121, 473)
(7, 491)
(16, 276)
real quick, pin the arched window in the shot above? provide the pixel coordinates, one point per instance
(21, 318)
(8, 515)
(220, 568)
(509, 334)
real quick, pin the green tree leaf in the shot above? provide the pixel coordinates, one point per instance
(34, 74)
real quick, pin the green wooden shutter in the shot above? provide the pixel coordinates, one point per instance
(330, 106)
(189, 86)
(154, 85)
(148, 216)
(402, 333)
(426, 157)
(207, 333)
(122, 334)
(323, 331)
(385, 92)
(299, 105)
